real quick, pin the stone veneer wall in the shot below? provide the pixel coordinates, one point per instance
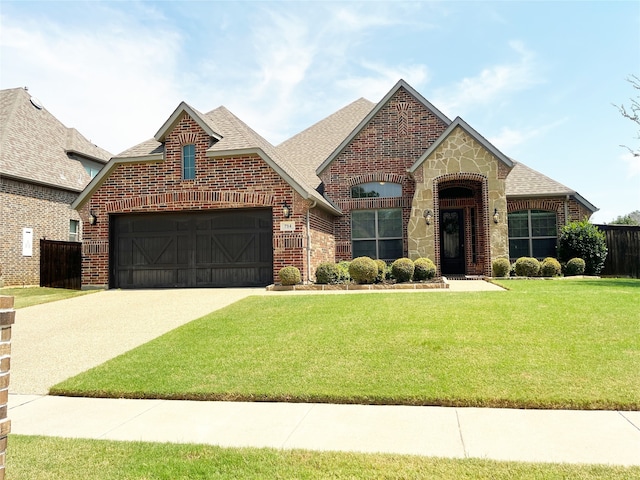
(460, 157)
(7, 318)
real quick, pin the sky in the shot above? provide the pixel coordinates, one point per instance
(540, 80)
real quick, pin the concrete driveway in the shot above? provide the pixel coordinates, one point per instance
(54, 341)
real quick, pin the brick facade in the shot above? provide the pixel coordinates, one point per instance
(382, 151)
(242, 181)
(25, 205)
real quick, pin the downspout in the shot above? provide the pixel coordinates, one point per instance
(566, 210)
(309, 240)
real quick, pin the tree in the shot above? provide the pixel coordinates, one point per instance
(632, 218)
(632, 112)
(583, 240)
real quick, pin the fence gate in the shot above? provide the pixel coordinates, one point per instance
(60, 264)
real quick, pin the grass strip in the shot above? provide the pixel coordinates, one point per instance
(45, 458)
(29, 296)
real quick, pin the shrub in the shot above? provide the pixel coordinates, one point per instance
(512, 272)
(343, 268)
(289, 275)
(327, 273)
(583, 240)
(363, 270)
(382, 270)
(575, 266)
(424, 269)
(527, 267)
(501, 267)
(402, 269)
(550, 267)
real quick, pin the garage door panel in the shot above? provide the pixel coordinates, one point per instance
(223, 248)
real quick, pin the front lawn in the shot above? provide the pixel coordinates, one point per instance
(40, 458)
(28, 296)
(542, 344)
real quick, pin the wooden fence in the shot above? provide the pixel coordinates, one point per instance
(60, 264)
(623, 243)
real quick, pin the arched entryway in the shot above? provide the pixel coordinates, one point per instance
(462, 230)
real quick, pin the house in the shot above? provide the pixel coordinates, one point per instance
(43, 167)
(208, 202)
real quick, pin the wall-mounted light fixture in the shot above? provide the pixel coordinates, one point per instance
(427, 216)
(286, 210)
(93, 218)
(496, 217)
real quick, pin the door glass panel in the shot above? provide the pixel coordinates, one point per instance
(450, 235)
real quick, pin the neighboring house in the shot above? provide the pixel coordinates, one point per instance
(43, 167)
(207, 202)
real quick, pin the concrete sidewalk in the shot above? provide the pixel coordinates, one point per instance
(591, 437)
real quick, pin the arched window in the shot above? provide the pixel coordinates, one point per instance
(376, 190)
(532, 233)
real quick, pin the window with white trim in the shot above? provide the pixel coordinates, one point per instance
(188, 162)
(74, 230)
(532, 233)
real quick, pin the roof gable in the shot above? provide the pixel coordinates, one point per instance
(198, 117)
(36, 147)
(401, 84)
(459, 123)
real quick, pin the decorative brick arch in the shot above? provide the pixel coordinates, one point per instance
(194, 199)
(187, 138)
(478, 183)
(376, 177)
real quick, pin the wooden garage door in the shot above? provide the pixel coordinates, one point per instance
(226, 248)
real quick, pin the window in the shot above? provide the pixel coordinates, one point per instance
(73, 230)
(92, 170)
(377, 233)
(532, 233)
(189, 162)
(376, 190)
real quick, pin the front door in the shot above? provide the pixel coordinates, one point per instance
(452, 258)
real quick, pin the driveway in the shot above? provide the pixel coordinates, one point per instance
(54, 341)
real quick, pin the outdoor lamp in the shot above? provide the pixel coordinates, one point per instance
(496, 217)
(93, 218)
(286, 210)
(427, 216)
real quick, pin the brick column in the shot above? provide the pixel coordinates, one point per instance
(7, 317)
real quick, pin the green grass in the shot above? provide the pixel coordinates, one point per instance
(28, 296)
(46, 458)
(544, 344)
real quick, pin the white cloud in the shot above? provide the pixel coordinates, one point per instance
(112, 81)
(491, 84)
(381, 78)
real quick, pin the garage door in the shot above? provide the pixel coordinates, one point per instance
(226, 248)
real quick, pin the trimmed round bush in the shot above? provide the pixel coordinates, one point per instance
(382, 270)
(527, 267)
(575, 266)
(424, 269)
(363, 270)
(583, 240)
(343, 268)
(327, 273)
(501, 267)
(402, 269)
(289, 275)
(550, 267)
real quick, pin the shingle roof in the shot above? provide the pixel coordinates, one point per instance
(524, 181)
(35, 146)
(309, 148)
